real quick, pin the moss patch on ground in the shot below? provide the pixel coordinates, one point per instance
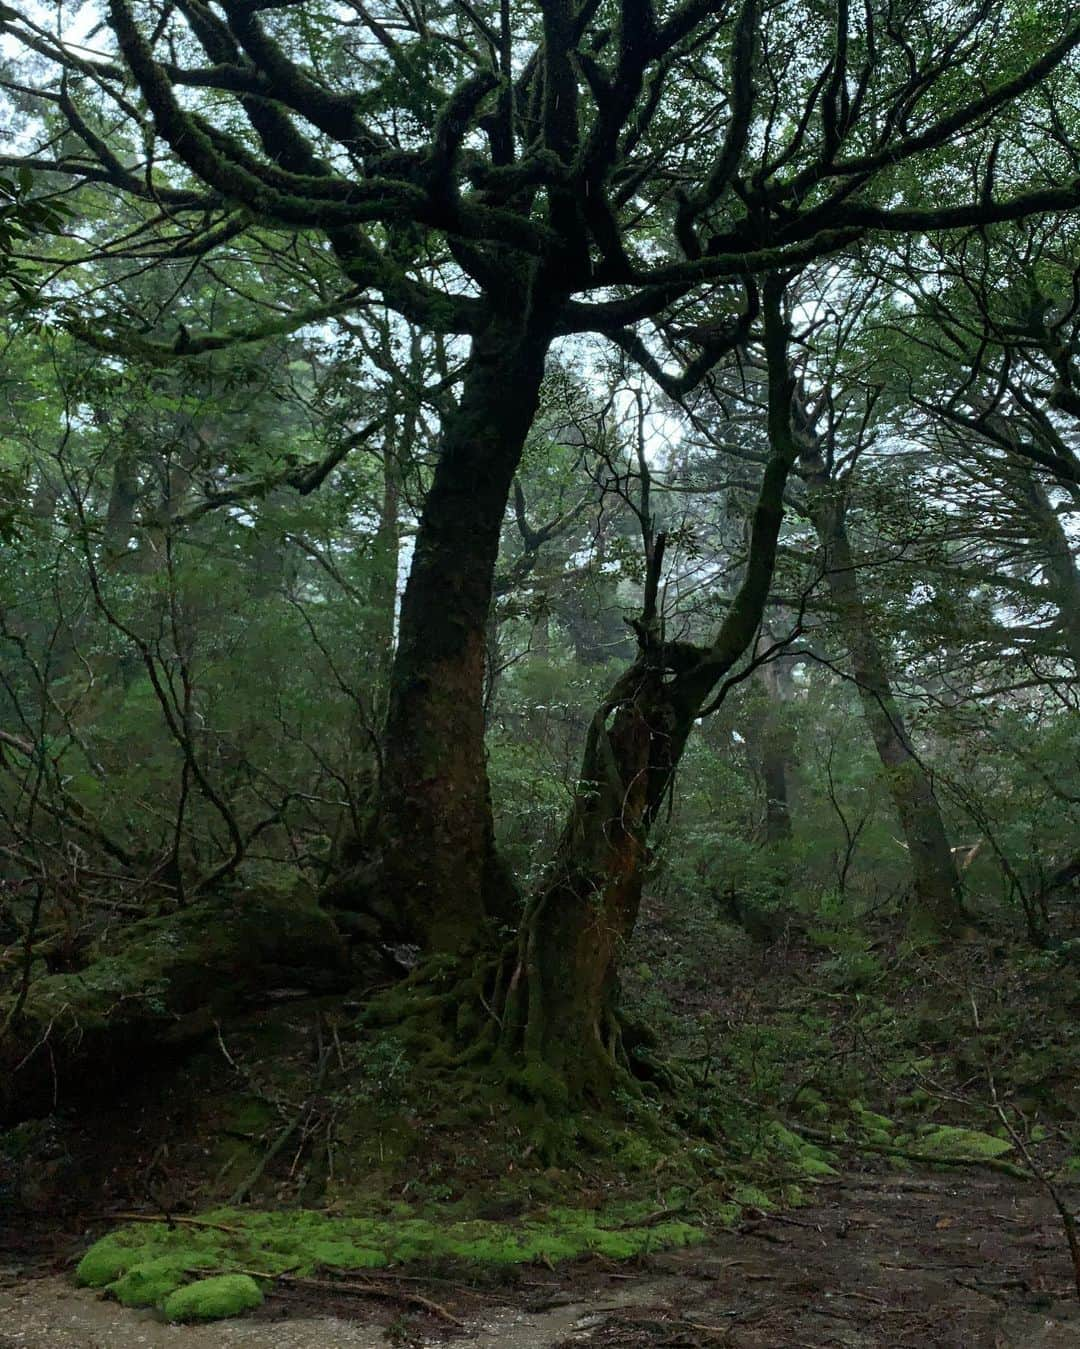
(149, 1283)
(800, 1157)
(214, 1299)
(946, 1141)
(149, 1264)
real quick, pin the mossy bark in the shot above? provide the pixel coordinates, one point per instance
(560, 1005)
(162, 985)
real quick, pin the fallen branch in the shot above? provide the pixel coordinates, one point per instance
(361, 1290)
(171, 1220)
(248, 1185)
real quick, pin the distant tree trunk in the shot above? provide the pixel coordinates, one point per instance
(1066, 874)
(430, 867)
(386, 554)
(46, 495)
(937, 890)
(1057, 555)
(120, 513)
(770, 742)
(366, 710)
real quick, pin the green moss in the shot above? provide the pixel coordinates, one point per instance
(145, 1265)
(800, 1155)
(618, 1246)
(541, 1084)
(343, 1254)
(917, 1100)
(108, 1259)
(634, 1152)
(148, 1284)
(214, 1299)
(946, 1141)
(868, 1120)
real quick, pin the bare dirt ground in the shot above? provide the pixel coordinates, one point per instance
(928, 1260)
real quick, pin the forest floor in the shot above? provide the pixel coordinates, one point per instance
(813, 1028)
(928, 1259)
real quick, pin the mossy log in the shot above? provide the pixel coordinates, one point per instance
(161, 983)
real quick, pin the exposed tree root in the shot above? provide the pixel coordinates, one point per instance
(477, 1015)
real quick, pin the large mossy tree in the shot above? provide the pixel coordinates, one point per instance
(510, 177)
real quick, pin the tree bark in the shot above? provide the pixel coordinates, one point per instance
(561, 1003)
(429, 869)
(386, 552)
(937, 889)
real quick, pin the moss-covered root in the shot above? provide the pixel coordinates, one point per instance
(213, 1299)
(163, 983)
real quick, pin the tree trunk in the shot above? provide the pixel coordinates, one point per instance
(430, 870)
(120, 514)
(560, 1003)
(937, 889)
(386, 552)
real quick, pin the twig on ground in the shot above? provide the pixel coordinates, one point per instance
(171, 1219)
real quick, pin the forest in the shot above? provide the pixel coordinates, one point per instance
(539, 673)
